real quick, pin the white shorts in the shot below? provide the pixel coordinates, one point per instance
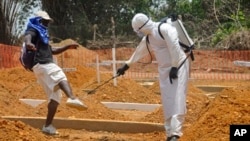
(49, 76)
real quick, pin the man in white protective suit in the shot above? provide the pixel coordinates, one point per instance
(173, 79)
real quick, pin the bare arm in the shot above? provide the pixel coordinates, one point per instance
(29, 45)
(58, 50)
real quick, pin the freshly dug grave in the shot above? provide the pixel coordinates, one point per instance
(207, 119)
(231, 106)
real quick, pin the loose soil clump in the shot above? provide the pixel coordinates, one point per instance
(207, 118)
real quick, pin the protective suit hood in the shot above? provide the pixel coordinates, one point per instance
(142, 23)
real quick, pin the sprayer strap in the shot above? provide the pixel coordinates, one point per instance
(159, 30)
(147, 43)
(187, 48)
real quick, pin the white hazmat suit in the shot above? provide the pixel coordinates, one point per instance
(168, 54)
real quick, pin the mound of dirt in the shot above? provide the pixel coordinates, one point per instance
(231, 106)
(211, 116)
(16, 130)
(80, 78)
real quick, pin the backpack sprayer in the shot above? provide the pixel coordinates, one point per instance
(184, 40)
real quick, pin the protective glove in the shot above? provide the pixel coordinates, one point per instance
(173, 74)
(121, 71)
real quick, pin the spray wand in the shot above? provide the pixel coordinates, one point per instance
(92, 91)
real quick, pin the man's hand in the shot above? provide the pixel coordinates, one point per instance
(30, 46)
(173, 74)
(121, 71)
(73, 46)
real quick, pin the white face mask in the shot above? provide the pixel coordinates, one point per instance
(140, 34)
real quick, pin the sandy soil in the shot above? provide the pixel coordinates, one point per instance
(208, 118)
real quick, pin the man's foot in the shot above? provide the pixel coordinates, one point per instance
(51, 130)
(76, 103)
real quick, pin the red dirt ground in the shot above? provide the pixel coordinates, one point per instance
(208, 119)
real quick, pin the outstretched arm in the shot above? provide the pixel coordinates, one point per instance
(58, 50)
(140, 52)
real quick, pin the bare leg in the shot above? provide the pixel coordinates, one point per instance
(52, 107)
(72, 100)
(66, 88)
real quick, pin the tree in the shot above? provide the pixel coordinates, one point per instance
(70, 20)
(11, 19)
(74, 19)
(99, 12)
(81, 16)
(211, 20)
(230, 17)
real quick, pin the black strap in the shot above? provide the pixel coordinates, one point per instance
(159, 30)
(147, 40)
(143, 24)
(187, 48)
(147, 43)
(151, 57)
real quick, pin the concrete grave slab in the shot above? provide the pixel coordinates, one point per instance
(92, 124)
(131, 106)
(212, 88)
(33, 102)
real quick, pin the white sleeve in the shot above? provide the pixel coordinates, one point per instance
(172, 41)
(140, 52)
